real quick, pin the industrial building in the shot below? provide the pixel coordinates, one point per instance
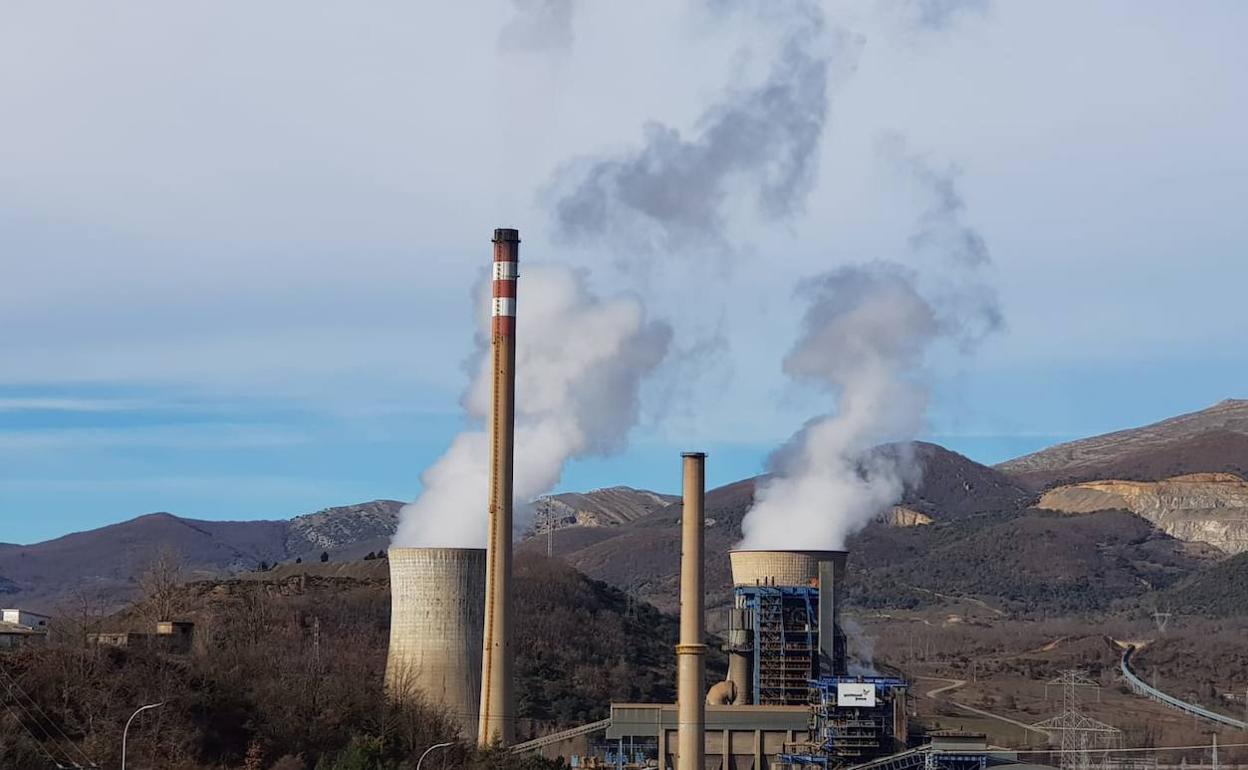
(176, 637)
(21, 628)
(788, 701)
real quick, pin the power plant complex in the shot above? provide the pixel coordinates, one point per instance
(788, 700)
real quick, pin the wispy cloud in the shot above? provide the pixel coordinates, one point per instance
(44, 404)
(189, 436)
(278, 486)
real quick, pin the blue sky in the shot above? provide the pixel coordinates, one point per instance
(238, 244)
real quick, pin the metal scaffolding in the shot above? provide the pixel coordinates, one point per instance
(786, 642)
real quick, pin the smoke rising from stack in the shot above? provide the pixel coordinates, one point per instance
(672, 192)
(580, 362)
(865, 335)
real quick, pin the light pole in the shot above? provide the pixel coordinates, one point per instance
(422, 756)
(125, 733)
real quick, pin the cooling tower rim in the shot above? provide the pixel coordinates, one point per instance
(401, 550)
(816, 553)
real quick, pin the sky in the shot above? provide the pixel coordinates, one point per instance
(239, 242)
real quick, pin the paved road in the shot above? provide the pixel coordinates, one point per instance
(954, 684)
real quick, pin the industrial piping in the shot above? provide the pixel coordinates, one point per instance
(740, 651)
(691, 651)
(833, 652)
(497, 721)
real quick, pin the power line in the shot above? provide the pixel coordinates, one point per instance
(14, 685)
(39, 744)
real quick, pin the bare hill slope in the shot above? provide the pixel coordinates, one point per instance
(643, 556)
(1210, 440)
(104, 563)
(606, 507)
(1199, 507)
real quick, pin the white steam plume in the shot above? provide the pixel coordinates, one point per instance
(580, 361)
(865, 334)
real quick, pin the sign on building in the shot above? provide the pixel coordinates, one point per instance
(859, 694)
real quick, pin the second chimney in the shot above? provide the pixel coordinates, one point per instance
(691, 651)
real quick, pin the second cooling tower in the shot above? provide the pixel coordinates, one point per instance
(785, 627)
(437, 599)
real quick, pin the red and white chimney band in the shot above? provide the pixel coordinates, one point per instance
(503, 307)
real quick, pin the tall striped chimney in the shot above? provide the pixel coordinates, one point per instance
(498, 709)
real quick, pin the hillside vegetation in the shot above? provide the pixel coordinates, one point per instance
(1033, 563)
(290, 663)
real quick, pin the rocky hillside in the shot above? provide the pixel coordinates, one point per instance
(103, 564)
(1207, 508)
(1211, 440)
(607, 507)
(643, 556)
(343, 531)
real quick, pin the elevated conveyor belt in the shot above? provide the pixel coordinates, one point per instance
(1141, 688)
(563, 735)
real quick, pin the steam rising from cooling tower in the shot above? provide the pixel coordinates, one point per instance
(580, 363)
(865, 335)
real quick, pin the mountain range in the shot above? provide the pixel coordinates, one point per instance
(102, 565)
(1091, 525)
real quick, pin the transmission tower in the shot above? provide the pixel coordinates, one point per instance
(1162, 619)
(1082, 738)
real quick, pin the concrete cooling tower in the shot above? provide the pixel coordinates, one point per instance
(437, 600)
(779, 568)
(785, 625)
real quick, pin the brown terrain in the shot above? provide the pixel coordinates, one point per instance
(642, 556)
(1209, 508)
(598, 508)
(980, 586)
(101, 565)
(1213, 440)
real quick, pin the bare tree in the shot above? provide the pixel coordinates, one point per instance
(160, 582)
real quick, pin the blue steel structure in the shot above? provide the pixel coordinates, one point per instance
(847, 735)
(785, 636)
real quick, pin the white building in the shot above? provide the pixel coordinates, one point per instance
(19, 628)
(31, 620)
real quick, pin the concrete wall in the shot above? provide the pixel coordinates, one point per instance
(736, 737)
